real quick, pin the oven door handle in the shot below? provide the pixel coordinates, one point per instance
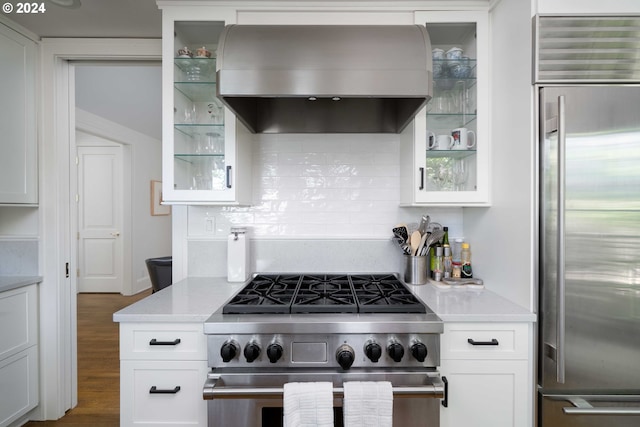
(213, 390)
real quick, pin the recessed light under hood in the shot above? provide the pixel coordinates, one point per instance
(324, 78)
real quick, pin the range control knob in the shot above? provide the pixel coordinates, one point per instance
(373, 351)
(251, 351)
(395, 351)
(419, 351)
(229, 351)
(274, 352)
(345, 356)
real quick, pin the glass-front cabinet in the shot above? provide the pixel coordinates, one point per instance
(206, 153)
(445, 152)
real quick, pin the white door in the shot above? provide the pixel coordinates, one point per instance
(100, 248)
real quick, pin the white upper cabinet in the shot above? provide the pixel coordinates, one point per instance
(18, 121)
(206, 152)
(445, 152)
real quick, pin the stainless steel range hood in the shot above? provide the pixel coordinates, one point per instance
(324, 78)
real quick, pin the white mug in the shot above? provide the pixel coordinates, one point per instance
(431, 140)
(444, 142)
(461, 140)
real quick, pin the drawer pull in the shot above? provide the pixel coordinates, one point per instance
(156, 342)
(474, 342)
(155, 390)
(445, 402)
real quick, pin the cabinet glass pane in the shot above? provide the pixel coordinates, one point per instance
(451, 155)
(199, 133)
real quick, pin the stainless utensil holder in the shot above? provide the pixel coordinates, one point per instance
(416, 269)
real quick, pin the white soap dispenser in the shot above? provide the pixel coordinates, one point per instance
(238, 255)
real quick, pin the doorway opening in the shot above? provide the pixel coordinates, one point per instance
(118, 123)
(117, 147)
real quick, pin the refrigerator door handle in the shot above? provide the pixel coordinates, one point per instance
(582, 407)
(560, 283)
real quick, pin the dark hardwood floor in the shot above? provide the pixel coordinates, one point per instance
(98, 363)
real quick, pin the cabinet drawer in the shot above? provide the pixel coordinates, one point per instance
(162, 341)
(485, 341)
(18, 327)
(167, 393)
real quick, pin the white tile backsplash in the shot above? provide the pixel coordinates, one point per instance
(18, 257)
(209, 257)
(321, 186)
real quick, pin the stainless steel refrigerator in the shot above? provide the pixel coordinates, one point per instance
(589, 296)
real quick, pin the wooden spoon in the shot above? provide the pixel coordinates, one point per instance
(415, 241)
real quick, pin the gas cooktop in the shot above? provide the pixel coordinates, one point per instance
(324, 293)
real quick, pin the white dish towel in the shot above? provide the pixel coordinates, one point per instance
(308, 404)
(368, 404)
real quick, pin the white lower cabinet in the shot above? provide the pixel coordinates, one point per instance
(490, 380)
(163, 367)
(18, 353)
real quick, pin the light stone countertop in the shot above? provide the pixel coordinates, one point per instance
(12, 282)
(471, 305)
(189, 300)
(195, 299)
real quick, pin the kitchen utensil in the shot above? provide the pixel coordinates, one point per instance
(401, 234)
(435, 236)
(434, 226)
(415, 241)
(406, 249)
(424, 224)
(423, 241)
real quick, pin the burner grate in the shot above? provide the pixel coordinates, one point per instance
(324, 293)
(384, 294)
(264, 294)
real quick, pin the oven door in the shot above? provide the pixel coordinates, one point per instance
(254, 399)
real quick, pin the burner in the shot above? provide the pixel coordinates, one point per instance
(264, 294)
(324, 293)
(384, 294)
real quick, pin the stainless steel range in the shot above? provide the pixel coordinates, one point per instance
(321, 327)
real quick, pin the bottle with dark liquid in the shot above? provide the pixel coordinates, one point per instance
(465, 258)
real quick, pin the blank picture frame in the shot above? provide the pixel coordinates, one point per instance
(157, 208)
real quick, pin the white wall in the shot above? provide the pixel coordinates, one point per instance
(130, 95)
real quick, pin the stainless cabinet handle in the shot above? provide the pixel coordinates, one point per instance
(421, 179)
(582, 407)
(560, 242)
